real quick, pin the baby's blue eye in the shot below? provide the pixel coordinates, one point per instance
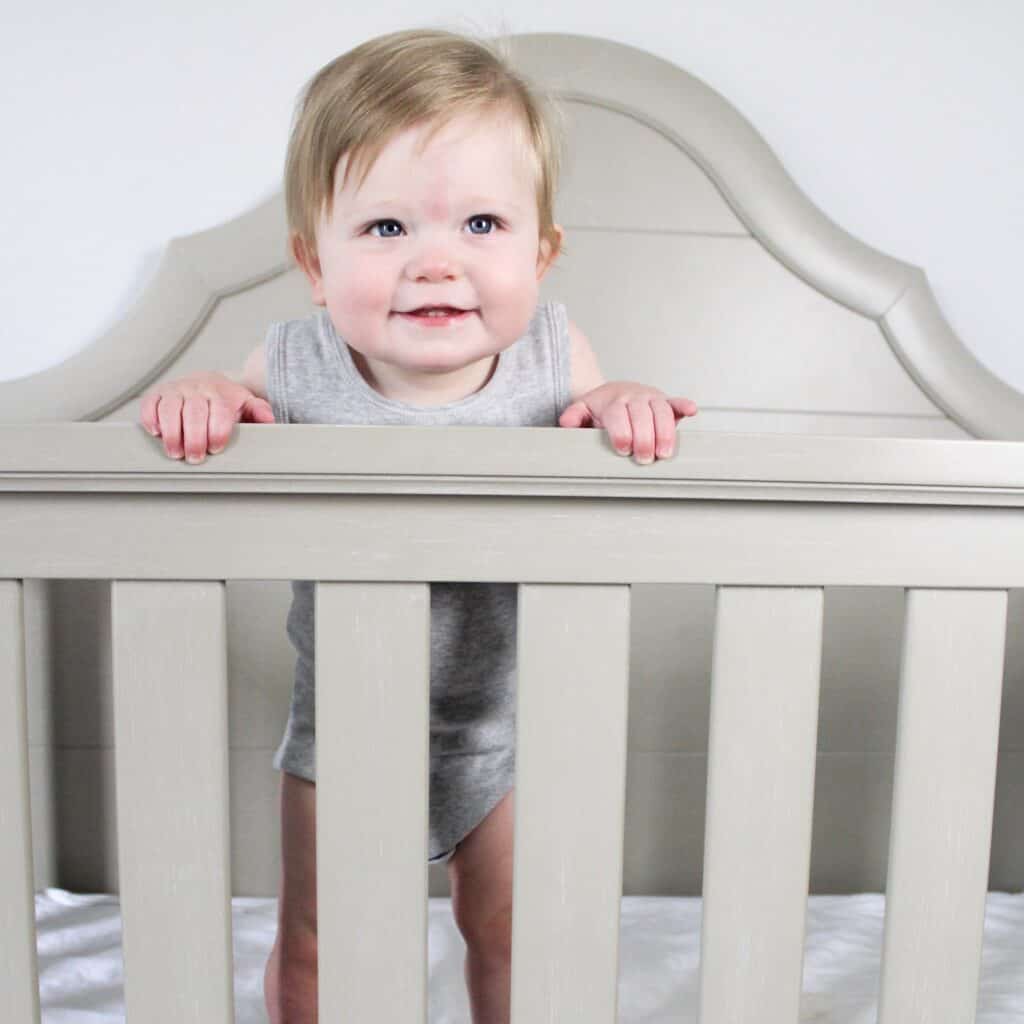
(379, 222)
(486, 217)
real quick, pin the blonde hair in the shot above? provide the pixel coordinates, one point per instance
(359, 101)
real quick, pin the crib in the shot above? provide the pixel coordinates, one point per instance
(772, 497)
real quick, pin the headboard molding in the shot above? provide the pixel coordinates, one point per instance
(198, 270)
(195, 273)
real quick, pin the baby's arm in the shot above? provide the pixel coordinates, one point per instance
(196, 414)
(638, 418)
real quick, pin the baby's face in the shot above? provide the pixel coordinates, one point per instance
(454, 226)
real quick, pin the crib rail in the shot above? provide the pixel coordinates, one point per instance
(375, 514)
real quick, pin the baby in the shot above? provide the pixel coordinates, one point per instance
(419, 181)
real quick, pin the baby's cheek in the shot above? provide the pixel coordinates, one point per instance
(365, 294)
(510, 316)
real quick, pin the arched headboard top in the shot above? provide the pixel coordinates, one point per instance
(719, 250)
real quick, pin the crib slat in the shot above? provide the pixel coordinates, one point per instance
(570, 794)
(19, 978)
(171, 754)
(372, 755)
(764, 714)
(947, 734)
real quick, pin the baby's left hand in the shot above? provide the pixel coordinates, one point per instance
(639, 419)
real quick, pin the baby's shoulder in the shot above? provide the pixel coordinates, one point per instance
(299, 326)
(307, 339)
(254, 373)
(549, 318)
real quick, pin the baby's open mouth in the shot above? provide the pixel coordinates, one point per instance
(439, 313)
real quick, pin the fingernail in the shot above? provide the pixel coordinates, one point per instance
(216, 451)
(194, 458)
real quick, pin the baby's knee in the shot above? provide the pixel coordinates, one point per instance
(489, 937)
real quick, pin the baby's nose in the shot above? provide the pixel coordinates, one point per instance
(434, 263)
(438, 270)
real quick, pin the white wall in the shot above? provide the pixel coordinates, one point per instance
(124, 125)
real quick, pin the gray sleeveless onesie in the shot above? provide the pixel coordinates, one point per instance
(311, 378)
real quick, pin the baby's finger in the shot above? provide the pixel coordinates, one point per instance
(576, 415)
(195, 418)
(222, 422)
(257, 410)
(147, 412)
(615, 419)
(664, 428)
(683, 406)
(642, 420)
(168, 412)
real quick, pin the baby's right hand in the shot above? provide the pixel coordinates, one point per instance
(196, 414)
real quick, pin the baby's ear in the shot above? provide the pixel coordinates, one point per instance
(547, 253)
(306, 258)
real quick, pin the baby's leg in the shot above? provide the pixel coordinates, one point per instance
(289, 982)
(480, 875)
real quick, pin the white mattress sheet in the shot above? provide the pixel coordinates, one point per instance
(81, 979)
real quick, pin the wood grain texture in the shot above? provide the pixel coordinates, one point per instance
(947, 733)
(764, 717)
(539, 540)
(570, 794)
(330, 458)
(372, 764)
(170, 720)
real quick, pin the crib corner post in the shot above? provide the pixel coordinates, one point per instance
(19, 972)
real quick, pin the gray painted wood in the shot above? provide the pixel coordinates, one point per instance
(679, 294)
(677, 196)
(766, 200)
(942, 804)
(40, 656)
(541, 540)
(240, 254)
(764, 718)
(170, 713)
(573, 668)
(372, 754)
(324, 459)
(947, 372)
(19, 975)
(670, 658)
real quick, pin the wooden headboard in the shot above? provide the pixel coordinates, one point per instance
(693, 260)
